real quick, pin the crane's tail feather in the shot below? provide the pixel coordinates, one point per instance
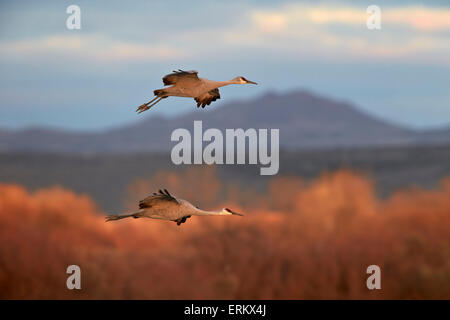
(159, 92)
(113, 217)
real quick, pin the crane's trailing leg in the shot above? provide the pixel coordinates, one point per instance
(113, 217)
(142, 107)
(149, 106)
(160, 94)
(182, 220)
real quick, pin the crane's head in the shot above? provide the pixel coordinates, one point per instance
(242, 80)
(227, 211)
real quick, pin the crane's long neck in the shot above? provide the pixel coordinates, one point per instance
(200, 212)
(224, 83)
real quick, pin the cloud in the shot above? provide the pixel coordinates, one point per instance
(95, 47)
(420, 18)
(294, 30)
(270, 22)
(415, 17)
(312, 30)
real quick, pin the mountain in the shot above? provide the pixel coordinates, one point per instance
(305, 121)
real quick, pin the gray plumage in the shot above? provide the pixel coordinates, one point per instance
(188, 84)
(164, 206)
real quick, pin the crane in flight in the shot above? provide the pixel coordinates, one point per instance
(188, 84)
(164, 206)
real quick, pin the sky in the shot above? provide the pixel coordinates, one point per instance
(95, 77)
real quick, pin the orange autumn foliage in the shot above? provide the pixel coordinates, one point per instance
(300, 240)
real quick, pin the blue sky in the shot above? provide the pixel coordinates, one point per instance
(94, 78)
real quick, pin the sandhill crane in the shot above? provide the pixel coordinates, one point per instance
(164, 206)
(188, 84)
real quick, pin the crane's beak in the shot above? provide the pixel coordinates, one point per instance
(252, 82)
(235, 213)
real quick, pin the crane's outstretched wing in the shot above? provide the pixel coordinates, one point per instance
(180, 76)
(207, 98)
(157, 200)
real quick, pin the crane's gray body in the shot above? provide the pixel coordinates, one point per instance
(166, 208)
(186, 85)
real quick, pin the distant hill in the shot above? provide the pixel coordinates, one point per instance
(305, 121)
